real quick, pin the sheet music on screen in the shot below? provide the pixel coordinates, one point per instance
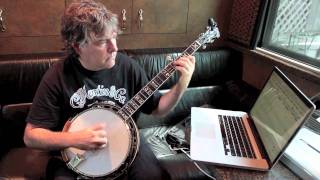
(276, 113)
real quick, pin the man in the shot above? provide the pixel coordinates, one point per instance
(89, 31)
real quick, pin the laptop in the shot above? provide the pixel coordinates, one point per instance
(254, 140)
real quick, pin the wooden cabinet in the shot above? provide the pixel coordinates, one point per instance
(169, 23)
(165, 16)
(150, 16)
(151, 23)
(30, 25)
(33, 26)
(31, 17)
(123, 9)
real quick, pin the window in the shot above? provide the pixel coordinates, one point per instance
(293, 29)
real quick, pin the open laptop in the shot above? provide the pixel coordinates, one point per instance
(255, 140)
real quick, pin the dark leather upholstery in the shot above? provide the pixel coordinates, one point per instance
(195, 96)
(211, 68)
(12, 117)
(19, 80)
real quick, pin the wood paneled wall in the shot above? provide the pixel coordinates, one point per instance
(32, 26)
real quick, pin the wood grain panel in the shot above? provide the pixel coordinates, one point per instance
(31, 17)
(117, 7)
(257, 68)
(141, 41)
(30, 45)
(201, 11)
(165, 16)
(33, 25)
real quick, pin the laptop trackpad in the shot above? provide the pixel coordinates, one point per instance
(204, 130)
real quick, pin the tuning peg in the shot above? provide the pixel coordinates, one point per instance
(211, 23)
(204, 46)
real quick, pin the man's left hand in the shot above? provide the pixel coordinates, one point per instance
(185, 65)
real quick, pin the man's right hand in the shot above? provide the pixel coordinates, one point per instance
(91, 138)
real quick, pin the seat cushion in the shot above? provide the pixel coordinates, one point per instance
(193, 97)
(182, 167)
(13, 122)
(24, 163)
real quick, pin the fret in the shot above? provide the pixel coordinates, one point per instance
(193, 47)
(171, 68)
(143, 94)
(162, 77)
(135, 101)
(122, 114)
(128, 104)
(126, 112)
(139, 99)
(129, 109)
(133, 104)
(158, 80)
(152, 86)
(189, 51)
(167, 71)
(186, 52)
(148, 90)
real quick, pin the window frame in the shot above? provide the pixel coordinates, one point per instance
(258, 45)
(264, 34)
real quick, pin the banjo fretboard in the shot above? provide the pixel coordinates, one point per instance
(147, 91)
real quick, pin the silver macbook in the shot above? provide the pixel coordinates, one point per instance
(255, 140)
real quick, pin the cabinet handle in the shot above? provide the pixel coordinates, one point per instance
(140, 13)
(2, 26)
(124, 19)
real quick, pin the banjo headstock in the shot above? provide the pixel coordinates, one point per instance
(212, 33)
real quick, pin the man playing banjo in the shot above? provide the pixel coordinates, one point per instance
(94, 72)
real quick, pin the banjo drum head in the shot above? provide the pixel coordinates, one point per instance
(106, 160)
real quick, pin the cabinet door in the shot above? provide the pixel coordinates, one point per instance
(32, 26)
(160, 16)
(118, 7)
(31, 17)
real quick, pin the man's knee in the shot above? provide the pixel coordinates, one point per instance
(154, 173)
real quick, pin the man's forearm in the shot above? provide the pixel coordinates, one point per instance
(185, 65)
(45, 139)
(169, 100)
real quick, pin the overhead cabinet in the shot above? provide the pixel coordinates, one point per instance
(33, 26)
(30, 26)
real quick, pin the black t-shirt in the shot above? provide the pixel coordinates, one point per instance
(67, 89)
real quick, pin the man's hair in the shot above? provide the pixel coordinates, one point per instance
(84, 20)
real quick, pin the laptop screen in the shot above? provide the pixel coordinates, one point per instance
(278, 112)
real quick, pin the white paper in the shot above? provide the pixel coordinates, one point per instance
(304, 149)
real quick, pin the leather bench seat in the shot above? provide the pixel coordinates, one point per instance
(19, 79)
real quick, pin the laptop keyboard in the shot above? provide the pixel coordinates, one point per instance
(235, 138)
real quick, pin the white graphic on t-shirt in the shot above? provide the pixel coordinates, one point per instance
(78, 99)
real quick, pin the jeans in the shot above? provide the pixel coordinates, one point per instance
(145, 166)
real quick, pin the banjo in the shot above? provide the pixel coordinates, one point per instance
(115, 158)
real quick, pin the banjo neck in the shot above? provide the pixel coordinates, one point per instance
(148, 90)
